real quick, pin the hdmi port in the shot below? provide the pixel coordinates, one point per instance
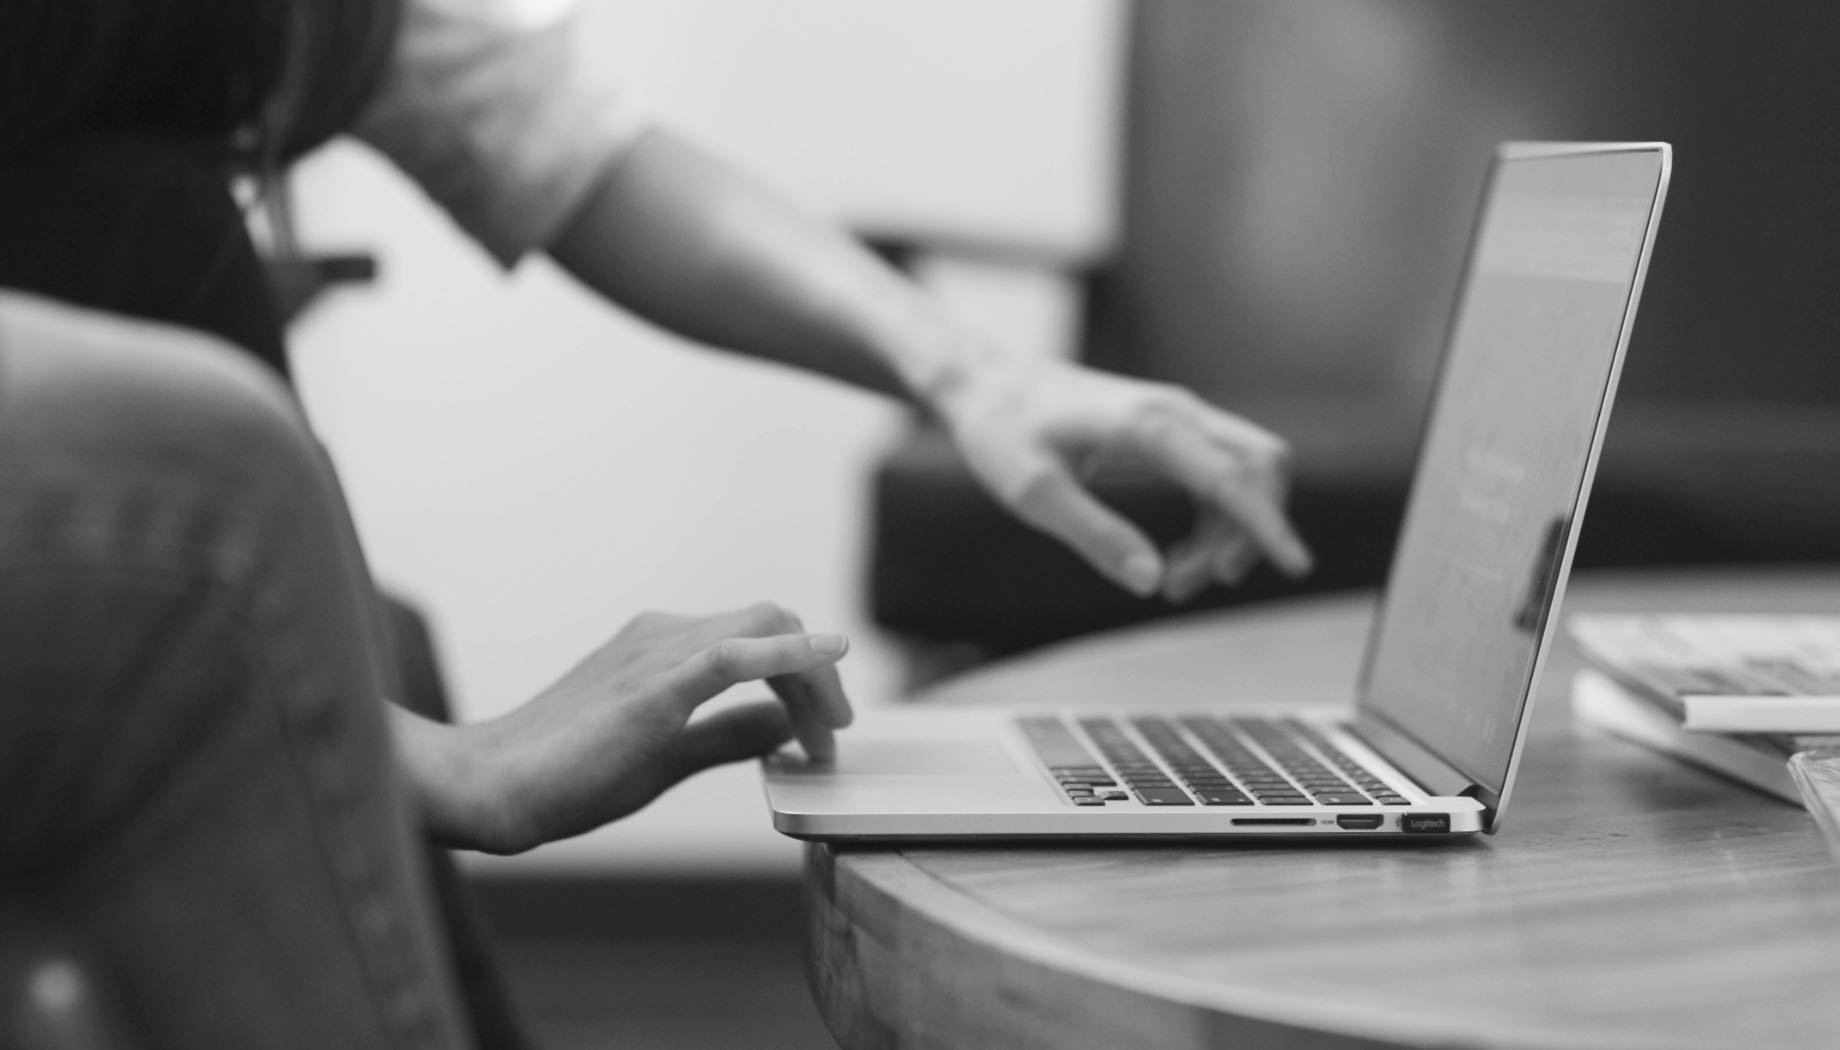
(1267, 822)
(1359, 821)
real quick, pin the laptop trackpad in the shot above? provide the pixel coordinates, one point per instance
(887, 756)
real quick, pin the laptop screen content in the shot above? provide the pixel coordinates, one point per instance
(1500, 476)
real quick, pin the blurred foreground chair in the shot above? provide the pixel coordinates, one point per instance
(143, 228)
(195, 763)
(1299, 180)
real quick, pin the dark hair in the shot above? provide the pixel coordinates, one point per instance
(261, 80)
(118, 121)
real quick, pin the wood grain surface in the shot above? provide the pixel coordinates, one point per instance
(1627, 902)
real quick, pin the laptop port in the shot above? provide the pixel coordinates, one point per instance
(1267, 822)
(1359, 821)
(1424, 822)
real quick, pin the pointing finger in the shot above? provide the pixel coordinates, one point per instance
(730, 661)
(1235, 558)
(1055, 503)
(1191, 566)
(1235, 482)
(822, 688)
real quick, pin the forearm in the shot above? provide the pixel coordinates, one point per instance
(680, 238)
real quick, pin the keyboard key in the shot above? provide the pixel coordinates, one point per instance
(1089, 800)
(1342, 800)
(1223, 798)
(1170, 796)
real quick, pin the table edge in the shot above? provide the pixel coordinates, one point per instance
(891, 876)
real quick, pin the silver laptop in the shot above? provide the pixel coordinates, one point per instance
(1548, 296)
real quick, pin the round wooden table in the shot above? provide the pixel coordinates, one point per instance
(1628, 900)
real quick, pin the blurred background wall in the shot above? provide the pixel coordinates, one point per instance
(1304, 174)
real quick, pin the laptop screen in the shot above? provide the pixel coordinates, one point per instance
(1500, 481)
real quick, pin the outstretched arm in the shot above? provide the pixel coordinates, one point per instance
(678, 236)
(529, 144)
(681, 238)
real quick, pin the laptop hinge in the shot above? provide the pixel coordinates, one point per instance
(1427, 770)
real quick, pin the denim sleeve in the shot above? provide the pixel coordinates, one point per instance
(492, 107)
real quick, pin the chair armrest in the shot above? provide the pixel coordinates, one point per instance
(299, 282)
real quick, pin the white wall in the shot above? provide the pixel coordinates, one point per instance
(535, 468)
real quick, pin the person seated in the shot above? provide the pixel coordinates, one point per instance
(192, 693)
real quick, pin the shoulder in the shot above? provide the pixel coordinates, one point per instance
(494, 107)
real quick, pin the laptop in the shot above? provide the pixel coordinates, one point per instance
(1549, 291)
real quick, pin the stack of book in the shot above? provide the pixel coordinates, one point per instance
(1739, 695)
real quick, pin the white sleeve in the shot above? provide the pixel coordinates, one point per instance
(491, 106)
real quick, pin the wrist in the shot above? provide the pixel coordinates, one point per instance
(956, 373)
(936, 358)
(456, 779)
(485, 801)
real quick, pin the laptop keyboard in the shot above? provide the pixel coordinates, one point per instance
(1200, 760)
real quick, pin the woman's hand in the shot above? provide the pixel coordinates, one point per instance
(1034, 432)
(615, 731)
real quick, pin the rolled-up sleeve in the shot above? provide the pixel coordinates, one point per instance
(500, 117)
